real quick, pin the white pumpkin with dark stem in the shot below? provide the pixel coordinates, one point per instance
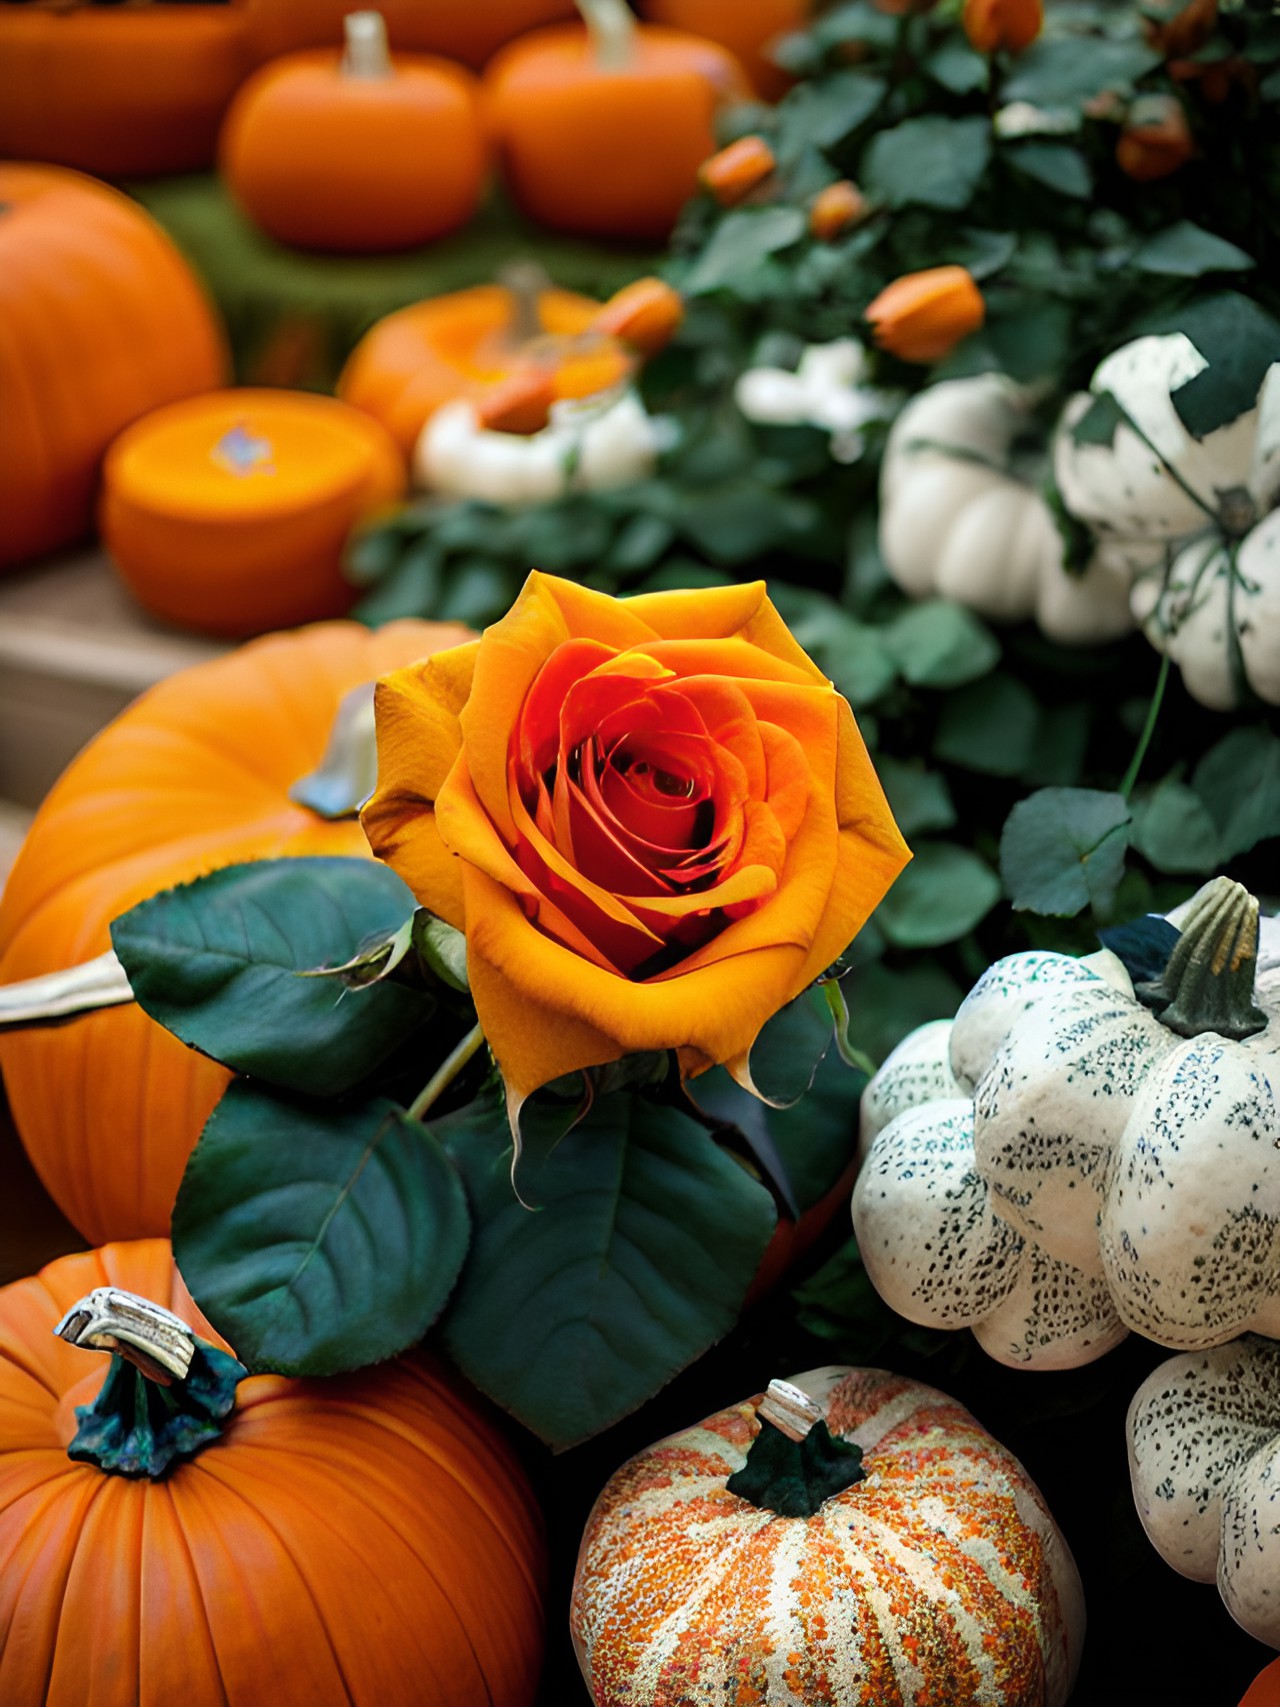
(1107, 1157)
(962, 517)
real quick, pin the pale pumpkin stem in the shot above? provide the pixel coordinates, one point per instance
(795, 1464)
(166, 1392)
(57, 996)
(445, 1074)
(611, 25)
(366, 53)
(1207, 984)
(526, 279)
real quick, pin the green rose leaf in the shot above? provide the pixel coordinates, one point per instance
(824, 113)
(1063, 849)
(1056, 165)
(940, 645)
(649, 1234)
(217, 962)
(740, 242)
(927, 162)
(1068, 71)
(989, 726)
(1239, 783)
(941, 896)
(318, 1238)
(1185, 251)
(1174, 830)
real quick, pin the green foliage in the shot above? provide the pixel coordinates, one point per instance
(1063, 849)
(930, 162)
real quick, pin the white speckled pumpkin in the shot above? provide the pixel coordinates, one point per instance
(940, 1577)
(1200, 510)
(1095, 1167)
(961, 517)
(1204, 1457)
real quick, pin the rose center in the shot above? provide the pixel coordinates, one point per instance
(651, 778)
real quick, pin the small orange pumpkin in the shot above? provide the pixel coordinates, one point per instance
(601, 129)
(123, 91)
(747, 30)
(193, 776)
(102, 320)
(931, 1571)
(469, 342)
(356, 152)
(1264, 1691)
(365, 1541)
(229, 513)
(470, 31)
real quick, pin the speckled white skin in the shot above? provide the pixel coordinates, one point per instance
(938, 1254)
(1005, 991)
(917, 1072)
(1204, 1458)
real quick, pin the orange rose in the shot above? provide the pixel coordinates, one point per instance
(921, 317)
(654, 818)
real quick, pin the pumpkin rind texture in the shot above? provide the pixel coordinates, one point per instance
(365, 1541)
(192, 777)
(941, 1577)
(101, 321)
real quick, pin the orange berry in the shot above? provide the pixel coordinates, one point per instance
(921, 317)
(834, 209)
(734, 172)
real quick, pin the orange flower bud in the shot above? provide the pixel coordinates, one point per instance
(1009, 24)
(736, 170)
(921, 317)
(1156, 139)
(520, 403)
(835, 209)
(644, 315)
(1185, 32)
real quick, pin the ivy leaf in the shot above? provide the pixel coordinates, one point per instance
(1067, 71)
(928, 162)
(740, 242)
(1186, 251)
(795, 1477)
(940, 645)
(942, 895)
(1173, 828)
(1063, 849)
(1056, 165)
(318, 1238)
(572, 1315)
(1239, 782)
(217, 962)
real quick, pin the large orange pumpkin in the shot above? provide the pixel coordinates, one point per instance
(123, 91)
(748, 31)
(466, 30)
(939, 1576)
(191, 777)
(366, 1541)
(602, 130)
(356, 152)
(101, 320)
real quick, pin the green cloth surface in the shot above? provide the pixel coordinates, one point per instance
(293, 316)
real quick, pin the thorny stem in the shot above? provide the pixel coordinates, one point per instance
(445, 1074)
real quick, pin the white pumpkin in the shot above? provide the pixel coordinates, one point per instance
(828, 389)
(1093, 1169)
(586, 447)
(1204, 1460)
(961, 517)
(1196, 516)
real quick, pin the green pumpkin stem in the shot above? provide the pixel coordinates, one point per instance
(166, 1393)
(1207, 984)
(795, 1464)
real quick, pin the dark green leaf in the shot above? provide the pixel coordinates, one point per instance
(442, 949)
(572, 1315)
(1239, 782)
(1143, 945)
(919, 799)
(1067, 71)
(1063, 849)
(956, 66)
(1056, 164)
(739, 523)
(1186, 251)
(940, 645)
(929, 161)
(318, 1239)
(640, 543)
(1240, 341)
(788, 1048)
(740, 242)
(857, 21)
(942, 895)
(1173, 829)
(217, 962)
(989, 726)
(826, 111)
(1097, 426)
(885, 1003)
(795, 1477)
(1030, 339)
(852, 653)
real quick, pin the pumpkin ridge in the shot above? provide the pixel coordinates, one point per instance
(64, 1628)
(196, 1596)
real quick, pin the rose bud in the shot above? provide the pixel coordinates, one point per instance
(834, 209)
(645, 315)
(1009, 24)
(736, 170)
(1156, 138)
(921, 317)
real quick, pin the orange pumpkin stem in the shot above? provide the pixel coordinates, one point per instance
(611, 26)
(366, 53)
(166, 1394)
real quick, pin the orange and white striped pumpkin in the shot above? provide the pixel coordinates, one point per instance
(939, 1578)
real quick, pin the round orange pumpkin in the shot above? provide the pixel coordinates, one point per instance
(229, 513)
(123, 91)
(602, 131)
(356, 152)
(748, 31)
(365, 1541)
(1264, 1691)
(193, 776)
(466, 30)
(101, 320)
(938, 1576)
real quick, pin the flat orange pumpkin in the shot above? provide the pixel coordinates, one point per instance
(365, 1541)
(470, 31)
(193, 776)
